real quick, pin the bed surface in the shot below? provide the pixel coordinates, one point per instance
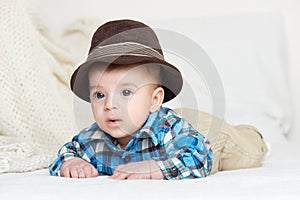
(279, 178)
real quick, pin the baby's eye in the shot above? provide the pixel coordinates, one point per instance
(126, 92)
(99, 95)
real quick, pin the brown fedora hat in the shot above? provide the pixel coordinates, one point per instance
(124, 42)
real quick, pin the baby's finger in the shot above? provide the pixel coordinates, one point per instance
(94, 172)
(122, 176)
(73, 173)
(81, 173)
(87, 171)
(114, 175)
(65, 172)
(135, 176)
(119, 176)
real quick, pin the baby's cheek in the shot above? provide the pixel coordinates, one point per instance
(138, 117)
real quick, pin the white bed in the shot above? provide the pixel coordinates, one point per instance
(249, 53)
(279, 178)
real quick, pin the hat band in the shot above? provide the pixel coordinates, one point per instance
(125, 48)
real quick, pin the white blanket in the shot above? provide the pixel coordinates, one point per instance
(36, 112)
(279, 178)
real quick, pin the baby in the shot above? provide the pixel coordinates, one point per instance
(126, 80)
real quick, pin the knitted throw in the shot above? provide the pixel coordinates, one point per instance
(36, 116)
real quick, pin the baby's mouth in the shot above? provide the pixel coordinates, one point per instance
(113, 120)
(113, 123)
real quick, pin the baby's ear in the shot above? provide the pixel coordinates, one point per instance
(157, 99)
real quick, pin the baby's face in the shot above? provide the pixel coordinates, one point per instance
(121, 98)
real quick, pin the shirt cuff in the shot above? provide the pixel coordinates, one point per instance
(173, 169)
(55, 167)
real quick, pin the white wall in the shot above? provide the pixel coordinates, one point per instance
(64, 11)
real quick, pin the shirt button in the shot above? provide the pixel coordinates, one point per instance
(174, 173)
(127, 159)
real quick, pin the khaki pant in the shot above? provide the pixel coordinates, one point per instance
(234, 147)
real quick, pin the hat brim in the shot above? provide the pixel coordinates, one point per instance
(171, 77)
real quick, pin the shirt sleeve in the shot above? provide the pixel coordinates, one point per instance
(69, 150)
(187, 152)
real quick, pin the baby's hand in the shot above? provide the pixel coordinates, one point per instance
(78, 168)
(147, 169)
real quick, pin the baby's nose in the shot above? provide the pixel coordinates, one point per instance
(110, 103)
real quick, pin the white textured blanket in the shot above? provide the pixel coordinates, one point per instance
(36, 115)
(279, 178)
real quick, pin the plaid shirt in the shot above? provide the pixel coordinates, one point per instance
(179, 150)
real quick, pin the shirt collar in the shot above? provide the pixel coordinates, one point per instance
(151, 127)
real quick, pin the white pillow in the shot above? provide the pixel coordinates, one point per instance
(249, 54)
